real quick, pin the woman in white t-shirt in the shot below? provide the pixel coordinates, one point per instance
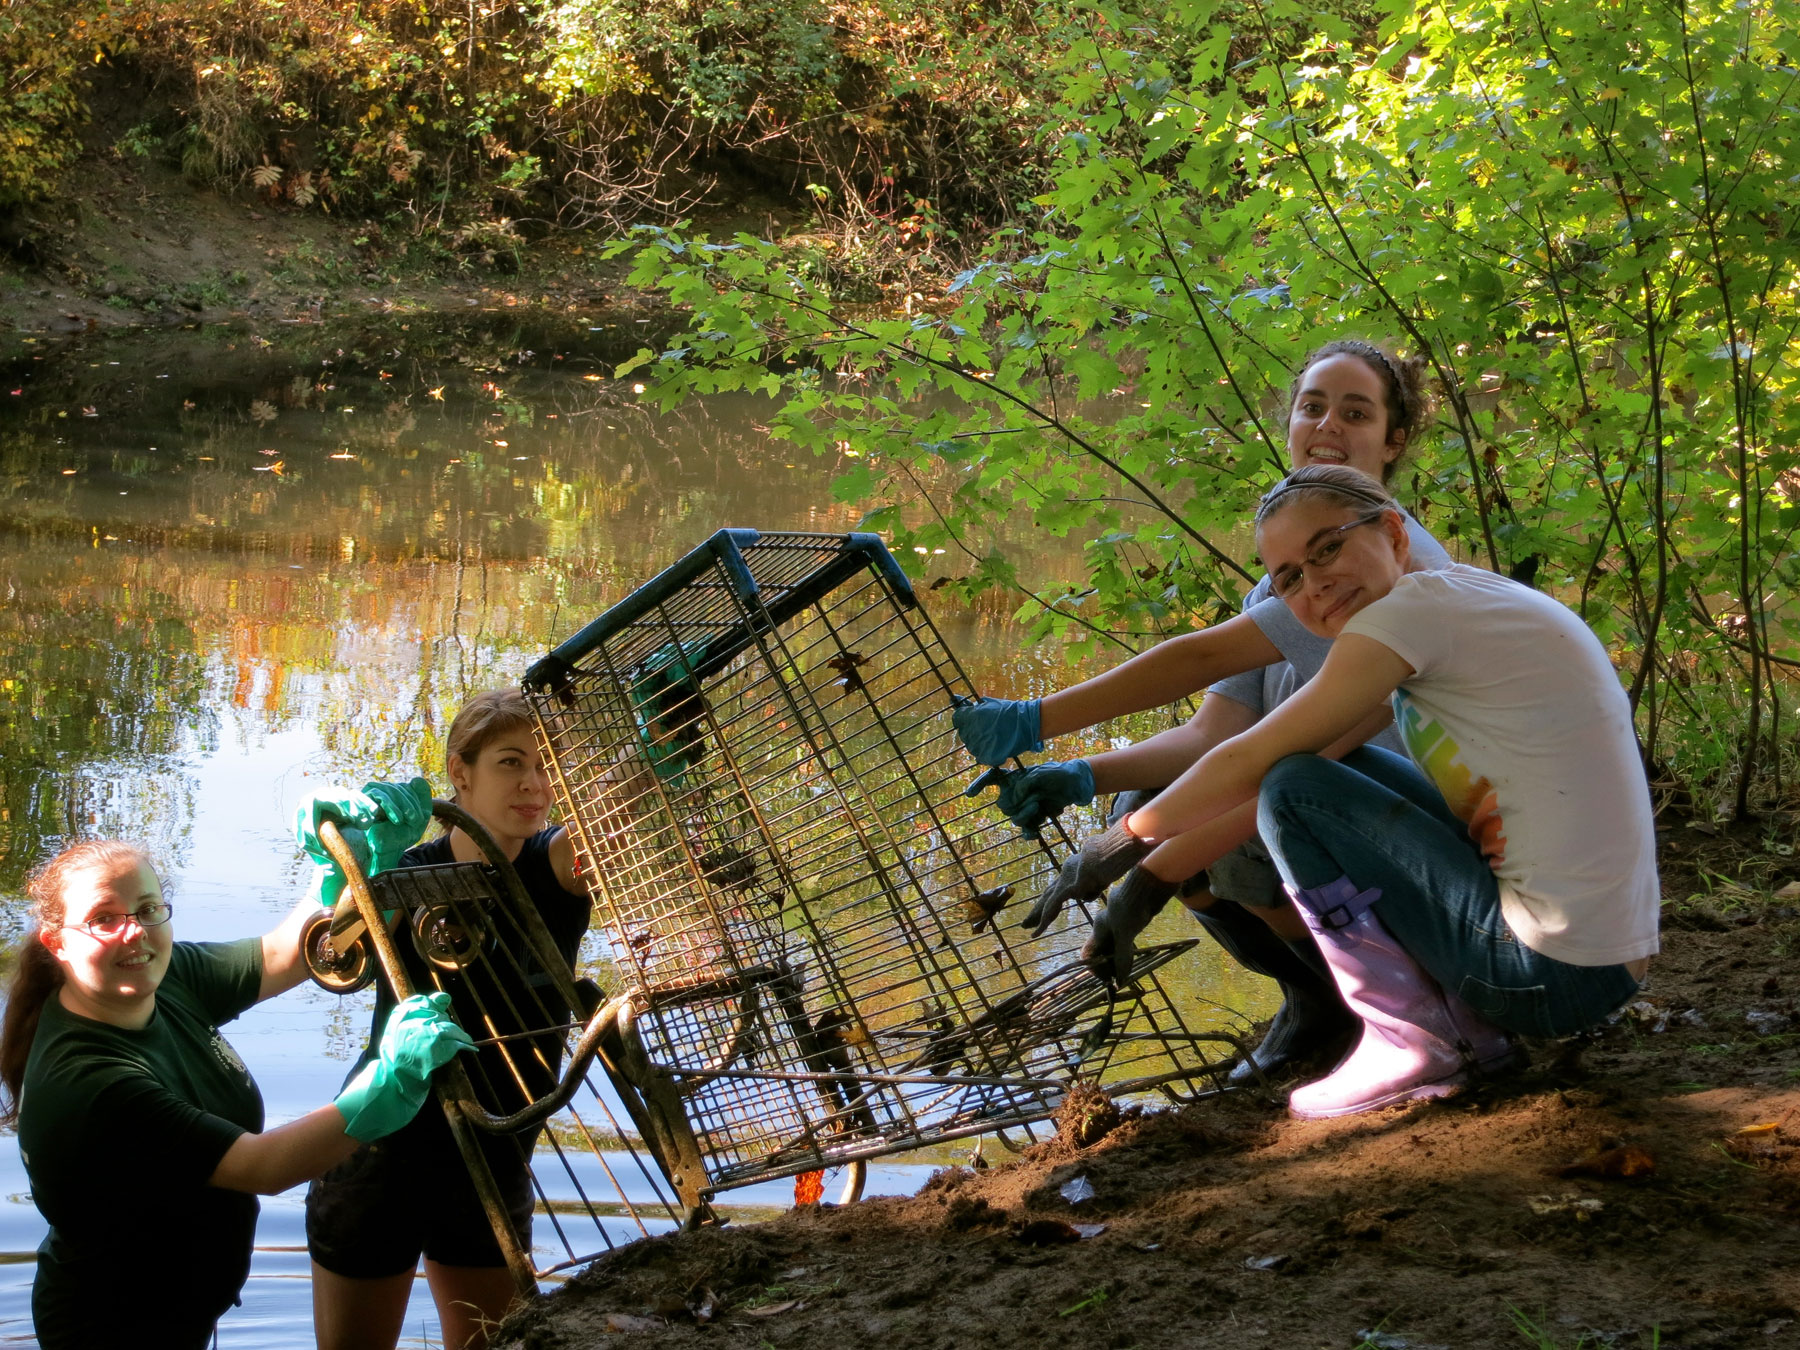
(1351, 402)
(1504, 882)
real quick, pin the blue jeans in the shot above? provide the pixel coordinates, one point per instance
(1376, 819)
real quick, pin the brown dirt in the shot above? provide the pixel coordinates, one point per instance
(131, 242)
(1610, 1195)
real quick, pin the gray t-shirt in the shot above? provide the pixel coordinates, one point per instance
(1264, 690)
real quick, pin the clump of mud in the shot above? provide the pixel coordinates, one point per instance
(1088, 1115)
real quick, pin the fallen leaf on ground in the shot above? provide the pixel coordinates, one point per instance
(1076, 1190)
(1625, 1161)
(775, 1309)
(1764, 1128)
(1791, 891)
(1581, 1207)
(702, 1304)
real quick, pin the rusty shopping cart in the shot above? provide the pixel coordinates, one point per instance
(754, 754)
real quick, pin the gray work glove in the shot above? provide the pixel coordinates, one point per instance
(1103, 859)
(1134, 902)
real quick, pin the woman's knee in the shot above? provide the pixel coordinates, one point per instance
(1293, 786)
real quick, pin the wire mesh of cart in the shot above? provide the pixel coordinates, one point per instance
(528, 1099)
(755, 756)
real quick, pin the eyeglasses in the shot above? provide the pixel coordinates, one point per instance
(1286, 582)
(152, 915)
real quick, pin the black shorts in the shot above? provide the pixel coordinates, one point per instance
(409, 1195)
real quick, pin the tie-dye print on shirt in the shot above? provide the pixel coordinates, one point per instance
(1471, 798)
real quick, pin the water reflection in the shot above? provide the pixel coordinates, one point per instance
(234, 559)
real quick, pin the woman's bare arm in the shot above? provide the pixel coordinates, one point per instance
(268, 1163)
(1347, 696)
(1168, 671)
(562, 860)
(283, 967)
(1161, 759)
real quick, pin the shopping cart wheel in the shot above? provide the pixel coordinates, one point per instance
(337, 972)
(449, 938)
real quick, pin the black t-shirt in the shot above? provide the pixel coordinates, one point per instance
(119, 1131)
(506, 993)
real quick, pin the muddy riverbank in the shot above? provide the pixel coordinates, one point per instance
(1634, 1188)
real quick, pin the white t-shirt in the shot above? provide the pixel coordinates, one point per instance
(1518, 717)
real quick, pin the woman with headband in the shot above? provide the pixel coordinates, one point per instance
(1352, 403)
(1504, 881)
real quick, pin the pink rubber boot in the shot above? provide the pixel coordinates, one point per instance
(1417, 1039)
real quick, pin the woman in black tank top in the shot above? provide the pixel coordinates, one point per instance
(370, 1221)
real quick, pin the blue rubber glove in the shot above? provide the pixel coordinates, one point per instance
(1030, 797)
(405, 812)
(995, 729)
(416, 1039)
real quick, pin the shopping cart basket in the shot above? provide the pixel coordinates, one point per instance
(755, 757)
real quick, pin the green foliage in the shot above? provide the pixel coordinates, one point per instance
(1581, 215)
(39, 106)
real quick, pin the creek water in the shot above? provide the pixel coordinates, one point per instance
(239, 563)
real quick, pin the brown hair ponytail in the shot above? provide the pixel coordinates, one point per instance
(37, 974)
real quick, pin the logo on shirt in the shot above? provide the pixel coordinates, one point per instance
(222, 1050)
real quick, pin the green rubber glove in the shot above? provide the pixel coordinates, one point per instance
(405, 812)
(417, 1038)
(348, 807)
